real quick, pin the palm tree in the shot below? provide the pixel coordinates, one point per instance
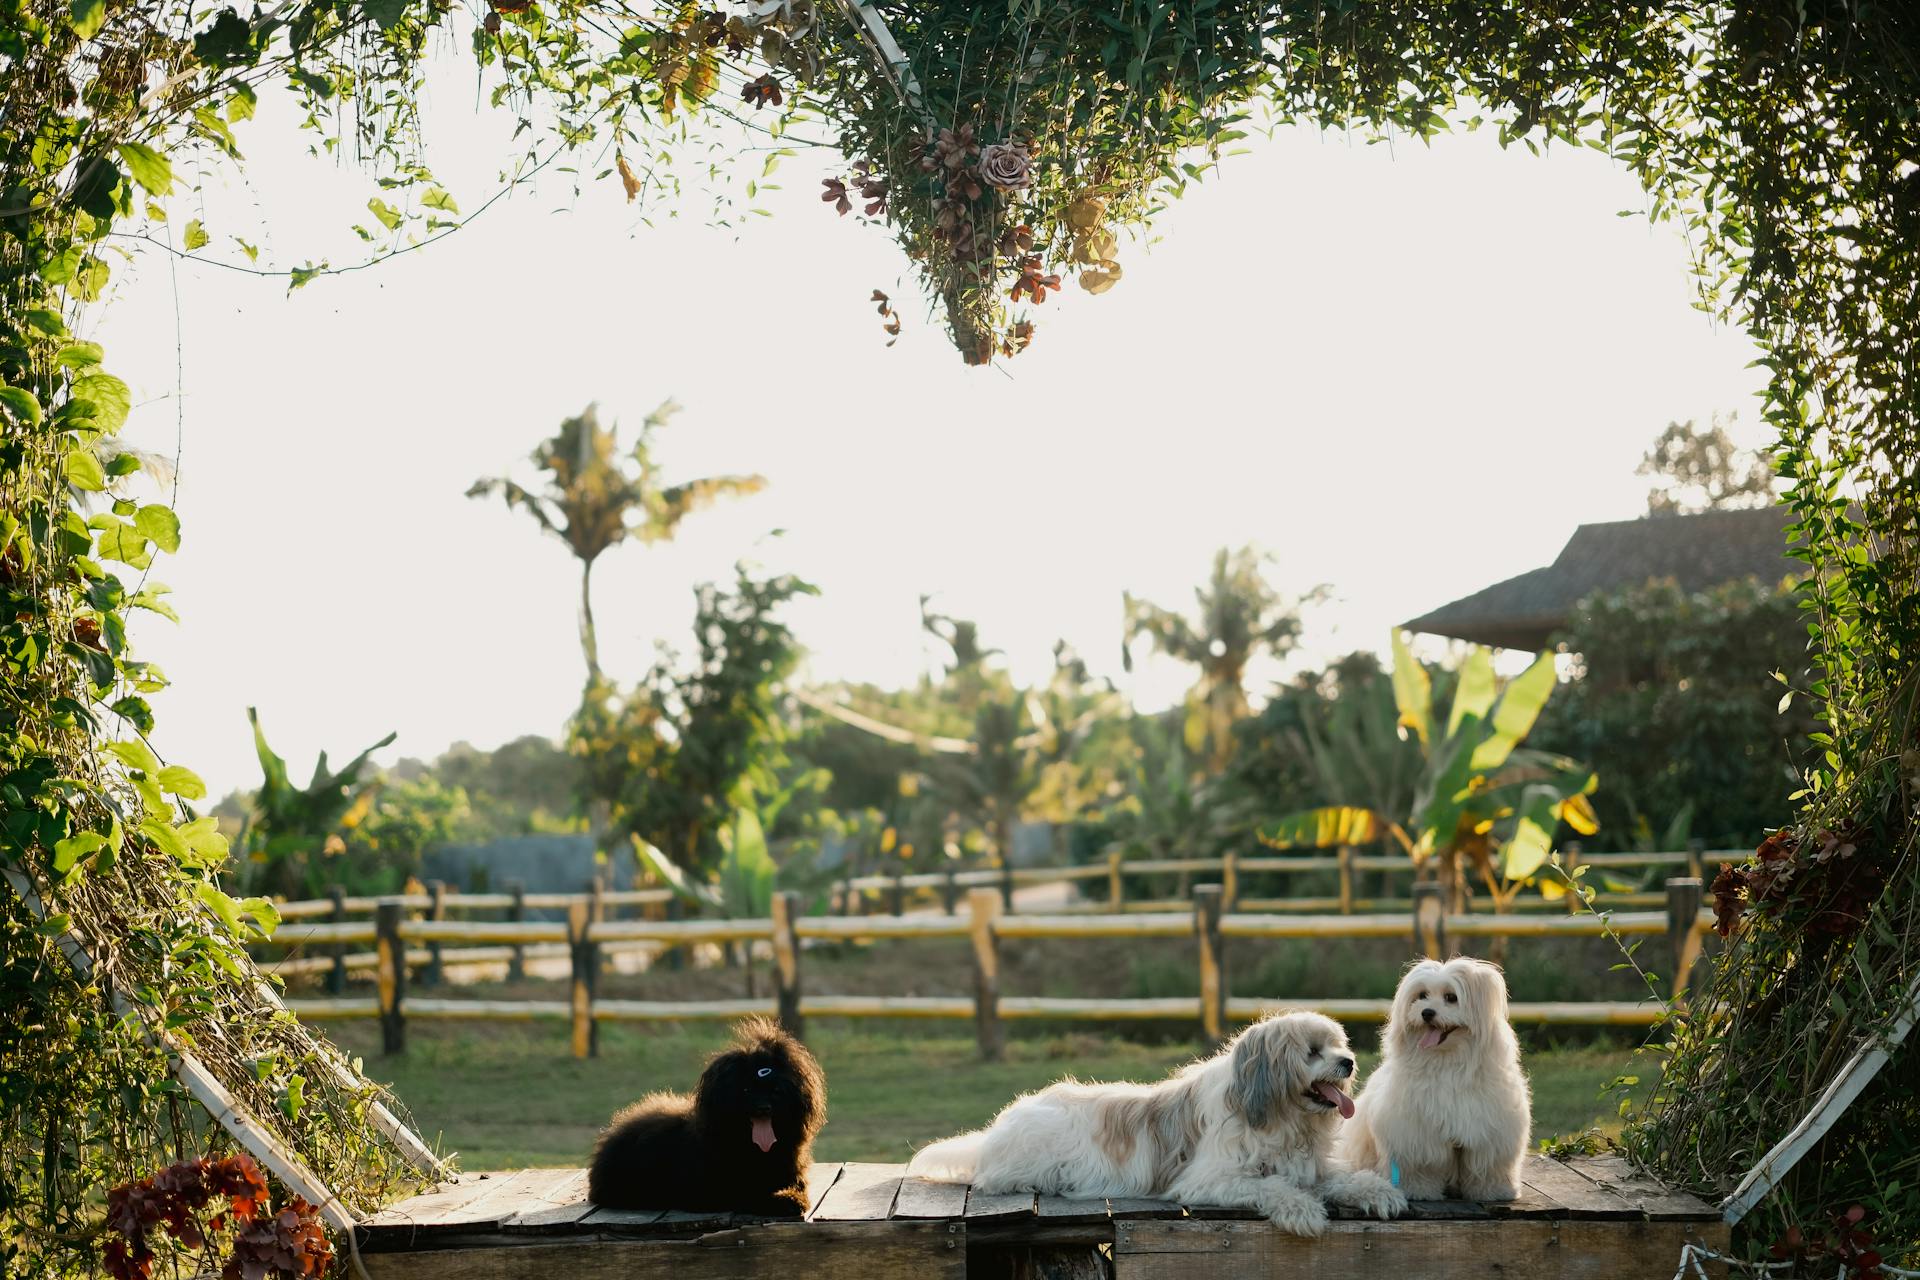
(1240, 615)
(597, 498)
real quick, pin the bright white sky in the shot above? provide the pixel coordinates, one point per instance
(1407, 372)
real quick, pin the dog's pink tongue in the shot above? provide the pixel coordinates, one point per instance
(1332, 1094)
(763, 1132)
(1431, 1040)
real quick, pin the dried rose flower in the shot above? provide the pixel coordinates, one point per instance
(1006, 165)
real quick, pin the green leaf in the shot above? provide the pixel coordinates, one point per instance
(149, 168)
(22, 404)
(84, 471)
(1473, 694)
(388, 13)
(265, 916)
(197, 237)
(204, 841)
(161, 525)
(79, 355)
(47, 324)
(120, 541)
(165, 839)
(672, 876)
(1412, 690)
(301, 275)
(68, 852)
(182, 782)
(87, 17)
(110, 399)
(240, 106)
(389, 216)
(747, 870)
(1514, 718)
(436, 198)
(221, 905)
(1527, 852)
(135, 754)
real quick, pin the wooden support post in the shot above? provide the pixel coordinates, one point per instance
(1430, 920)
(1697, 860)
(437, 892)
(517, 913)
(897, 895)
(1207, 901)
(786, 961)
(1116, 884)
(337, 976)
(391, 952)
(586, 967)
(672, 958)
(950, 893)
(1576, 902)
(1006, 882)
(597, 907)
(984, 906)
(1345, 855)
(1684, 895)
(1229, 881)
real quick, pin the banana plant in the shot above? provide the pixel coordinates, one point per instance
(1483, 805)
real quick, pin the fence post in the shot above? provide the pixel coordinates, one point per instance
(337, 976)
(1006, 882)
(1430, 920)
(786, 961)
(1229, 881)
(950, 893)
(1207, 900)
(597, 906)
(436, 910)
(517, 913)
(1684, 896)
(1697, 860)
(586, 965)
(390, 950)
(897, 895)
(1576, 901)
(671, 957)
(1116, 884)
(1345, 855)
(983, 905)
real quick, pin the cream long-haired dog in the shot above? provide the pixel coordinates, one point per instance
(1448, 1104)
(1251, 1127)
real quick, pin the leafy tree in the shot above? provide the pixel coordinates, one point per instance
(596, 498)
(1674, 702)
(1240, 616)
(528, 785)
(677, 757)
(1484, 806)
(1704, 471)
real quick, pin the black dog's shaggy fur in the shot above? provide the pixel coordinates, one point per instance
(703, 1151)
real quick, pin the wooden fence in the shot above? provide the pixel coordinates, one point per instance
(985, 923)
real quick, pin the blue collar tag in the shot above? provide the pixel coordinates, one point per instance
(1393, 1172)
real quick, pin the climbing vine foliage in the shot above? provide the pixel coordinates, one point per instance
(1004, 143)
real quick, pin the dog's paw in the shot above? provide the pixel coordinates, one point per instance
(1298, 1216)
(1493, 1189)
(1378, 1198)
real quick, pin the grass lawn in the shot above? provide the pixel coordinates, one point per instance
(508, 1095)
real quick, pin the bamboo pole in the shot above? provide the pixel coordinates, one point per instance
(436, 974)
(983, 906)
(517, 914)
(1229, 881)
(786, 961)
(1430, 920)
(1345, 858)
(337, 976)
(391, 978)
(1116, 884)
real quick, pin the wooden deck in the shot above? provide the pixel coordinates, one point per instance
(1591, 1217)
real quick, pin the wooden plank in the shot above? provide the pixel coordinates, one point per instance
(1061, 1209)
(621, 1219)
(862, 1193)
(1532, 1202)
(920, 1198)
(1446, 1211)
(1538, 1250)
(562, 1205)
(1130, 1207)
(444, 1199)
(820, 1180)
(494, 1197)
(1007, 1204)
(1583, 1197)
(1644, 1193)
(880, 1250)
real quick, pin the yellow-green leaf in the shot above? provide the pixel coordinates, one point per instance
(1412, 690)
(87, 17)
(160, 524)
(182, 782)
(84, 471)
(1473, 695)
(197, 237)
(149, 168)
(1323, 828)
(22, 404)
(1527, 852)
(1514, 718)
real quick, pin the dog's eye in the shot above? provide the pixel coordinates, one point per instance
(1452, 998)
(1419, 995)
(764, 1072)
(1314, 1052)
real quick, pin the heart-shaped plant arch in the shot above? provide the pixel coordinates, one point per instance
(1008, 145)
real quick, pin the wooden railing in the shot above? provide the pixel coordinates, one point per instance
(1428, 928)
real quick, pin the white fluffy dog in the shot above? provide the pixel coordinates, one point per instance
(1251, 1127)
(1448, 1103)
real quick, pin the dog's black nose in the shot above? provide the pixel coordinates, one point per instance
(1346, 1067)
(1427, 1015)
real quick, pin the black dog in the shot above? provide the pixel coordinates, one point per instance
(741, 1141)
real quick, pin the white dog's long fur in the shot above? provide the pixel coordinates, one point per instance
(1237, 1129)
(1453, 1115)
